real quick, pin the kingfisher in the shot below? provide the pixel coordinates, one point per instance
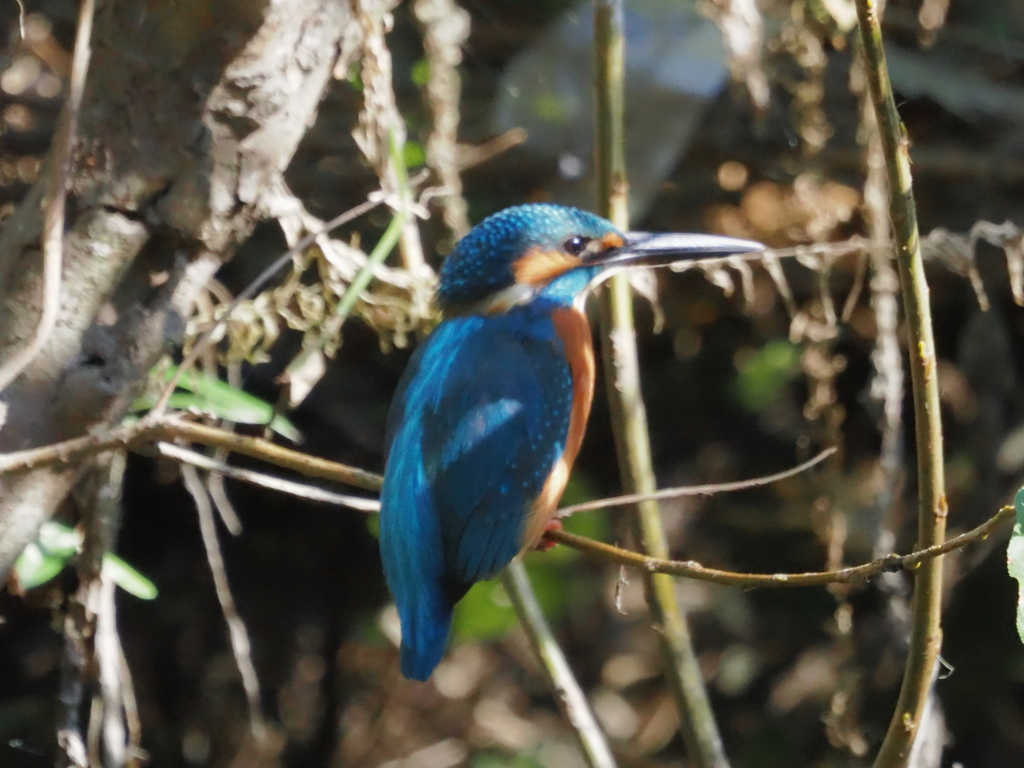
(490, 413)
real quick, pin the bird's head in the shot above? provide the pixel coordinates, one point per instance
(528, 250)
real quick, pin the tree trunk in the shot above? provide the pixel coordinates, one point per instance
(193, 109)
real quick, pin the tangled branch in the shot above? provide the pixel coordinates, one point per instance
(141, 434)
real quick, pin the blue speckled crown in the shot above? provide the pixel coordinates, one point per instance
(481, 264)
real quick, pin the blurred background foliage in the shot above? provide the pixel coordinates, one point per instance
(755, 134)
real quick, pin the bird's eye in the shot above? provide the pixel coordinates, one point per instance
(575, 245)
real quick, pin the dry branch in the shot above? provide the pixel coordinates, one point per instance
(926, 634)
(629, 417)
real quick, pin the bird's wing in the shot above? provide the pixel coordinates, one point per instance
(491, 402)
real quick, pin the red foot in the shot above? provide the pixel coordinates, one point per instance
(545, 544)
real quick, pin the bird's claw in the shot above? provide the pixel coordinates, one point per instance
(545, 543)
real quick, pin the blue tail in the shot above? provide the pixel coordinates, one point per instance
(426, 623)
(412, 552)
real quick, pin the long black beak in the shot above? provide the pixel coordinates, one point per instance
(655, 249)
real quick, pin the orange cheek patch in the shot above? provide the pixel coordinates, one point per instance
(539, 267)
(612, 240)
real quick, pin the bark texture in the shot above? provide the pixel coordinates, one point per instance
(193, 110)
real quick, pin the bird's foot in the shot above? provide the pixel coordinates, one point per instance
(545, 543)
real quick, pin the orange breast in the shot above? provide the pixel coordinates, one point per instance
(573, 329)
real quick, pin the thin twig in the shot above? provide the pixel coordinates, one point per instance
(21, 19)
(568, 694)
(629, 418)
(263, 480)
(694, 490)
(53, 221)
(445, 29)
(110, 719)
(215, 480)
(85, 625)
(691, 569)
(170, 429)
(219, 496)
(236, 627)
(926, 634)
(471, 155)
(381, 133)
(103, 519)
(331, 327)
(686, 569)
(362, 504)
(131, 713)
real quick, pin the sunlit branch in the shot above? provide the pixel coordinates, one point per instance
(926, 632)
(170, 429)
(263, 480)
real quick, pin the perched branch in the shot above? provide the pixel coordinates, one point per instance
(138, 434)
(693, 570)
(926, 635)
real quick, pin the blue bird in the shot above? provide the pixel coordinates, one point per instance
(490, 413)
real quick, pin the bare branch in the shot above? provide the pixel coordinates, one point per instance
(263, 480)
(694, 490)
(629, 416)
(926, 634)
(240, 645)
(568, 694)
(70, 452)
(693, 570)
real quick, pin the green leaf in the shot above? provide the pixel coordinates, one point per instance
(214, 397)
(127, 578)
(53, 549)
(414, 154)
(35, 567)
(58, 540)
(1015, 559)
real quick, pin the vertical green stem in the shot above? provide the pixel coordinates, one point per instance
(926, 635)
(629, 417)
(568, 693)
